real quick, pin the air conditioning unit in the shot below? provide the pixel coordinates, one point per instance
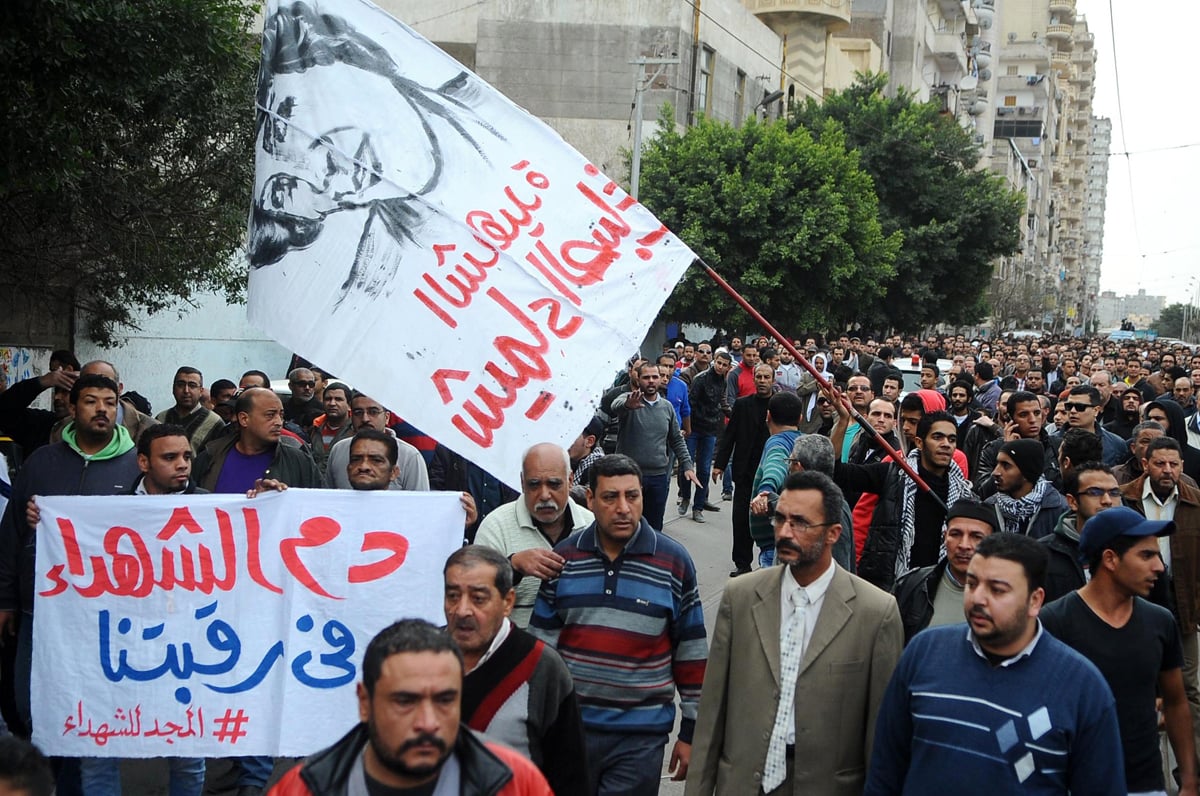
(1004, 111)
(979, 138)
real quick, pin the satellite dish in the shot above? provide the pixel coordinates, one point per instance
(985, 74)
(968, 83)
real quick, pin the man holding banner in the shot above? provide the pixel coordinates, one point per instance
(164, 455)
(95, 457)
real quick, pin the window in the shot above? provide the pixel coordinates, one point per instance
(1010, 100)
(705, 83)
(1012, 70)
(1007, 127)
(739, 97)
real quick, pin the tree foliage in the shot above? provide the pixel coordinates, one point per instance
(955, 219)
(1170, 321)
(787, 217)
(127, 151)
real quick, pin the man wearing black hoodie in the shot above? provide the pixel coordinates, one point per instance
(1128, 414)
(1169, 415)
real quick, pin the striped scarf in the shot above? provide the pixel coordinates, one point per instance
(1016, 512)
(958, 489)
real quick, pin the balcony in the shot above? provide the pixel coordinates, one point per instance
(1082, 77)
(948, 49)
(1063, 9)
(1061, 62)
(1059, 33)
(834, 14)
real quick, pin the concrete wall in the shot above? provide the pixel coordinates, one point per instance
(568, 62)
(213, 337)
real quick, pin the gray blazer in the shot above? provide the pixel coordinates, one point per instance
(855, 645)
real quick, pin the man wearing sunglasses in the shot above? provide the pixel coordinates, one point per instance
(304, 406)
(1083, 411)
(1090, 488)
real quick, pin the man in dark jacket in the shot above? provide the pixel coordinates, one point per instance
(234, 463)
(1169, 415)
(743, 439)
(420, 747)
(710, 408)
(95, 457)
(1083, 411)
(1025, 421)
(1025, 502)
(1090, 489)
(932, 596)
(906, 527)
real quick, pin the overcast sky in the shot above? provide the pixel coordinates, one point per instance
(1152, 219)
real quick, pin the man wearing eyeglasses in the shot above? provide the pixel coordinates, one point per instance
(798, 649)
(1083, 411)
(366, 412)
(1089, 488)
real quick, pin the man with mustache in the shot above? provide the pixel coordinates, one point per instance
(998, 705)
(800, 658)
(526, 530)
(1134, 643)
(516, 689)
(933, 596)
(409, 737)
(625, 615)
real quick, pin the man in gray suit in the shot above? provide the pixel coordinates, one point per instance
(826, 639)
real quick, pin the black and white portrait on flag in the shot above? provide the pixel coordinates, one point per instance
(442, 249)
(324, 170)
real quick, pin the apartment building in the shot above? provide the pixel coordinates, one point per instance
(569, 63)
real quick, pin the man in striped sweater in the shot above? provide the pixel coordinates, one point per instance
(625, 616)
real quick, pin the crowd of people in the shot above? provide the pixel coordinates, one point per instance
(1048, 499)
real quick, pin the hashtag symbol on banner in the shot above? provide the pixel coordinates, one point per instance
(229, 726)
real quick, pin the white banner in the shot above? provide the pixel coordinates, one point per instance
(214, 626)
(438, 247)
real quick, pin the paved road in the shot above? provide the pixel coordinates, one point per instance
(709, 544)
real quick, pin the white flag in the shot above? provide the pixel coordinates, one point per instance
(433, 244)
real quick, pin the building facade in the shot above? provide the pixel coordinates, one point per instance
(570, 63)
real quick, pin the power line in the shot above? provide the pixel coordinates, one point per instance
(446, 13)
(1112, 33)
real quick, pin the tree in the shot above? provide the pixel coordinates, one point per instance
(127, 151)
(1170, 321)
(955, 219)
(788, 218)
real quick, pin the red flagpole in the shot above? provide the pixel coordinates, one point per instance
(895, 455)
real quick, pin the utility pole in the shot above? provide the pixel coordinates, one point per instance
(641, 83)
